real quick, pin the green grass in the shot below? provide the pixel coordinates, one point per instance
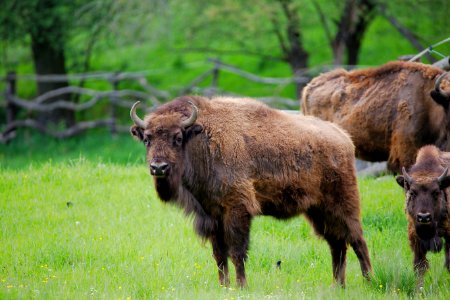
(31, 148)
(79, 220)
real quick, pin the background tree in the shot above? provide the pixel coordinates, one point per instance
(45, 23)
(272, 38)
(54, 28)
(354, 20)
(421, 23)
(271, 30)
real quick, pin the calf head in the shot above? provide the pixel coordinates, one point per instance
(165, 133)
(425, 201)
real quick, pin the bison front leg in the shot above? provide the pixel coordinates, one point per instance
(447, 253)
(420, 264)
(220, 253)
(237, 232)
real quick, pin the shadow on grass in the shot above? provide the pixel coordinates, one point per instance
(33, 148)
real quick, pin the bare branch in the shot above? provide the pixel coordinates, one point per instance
(195, 82)
(231, 52)
(255, 78)
(410, 36)
(74, 130)
(279, 35)
(37, 104)
(323, 21)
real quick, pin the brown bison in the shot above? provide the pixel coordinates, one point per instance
(388, 111)
(227, 160)
(427, 195)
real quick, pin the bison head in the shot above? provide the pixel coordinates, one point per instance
(165, 133)
(425, 201)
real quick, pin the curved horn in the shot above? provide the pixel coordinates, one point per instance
(437, 85)
(137, 121)
(407, 177)
(191, 120)
(443, 175)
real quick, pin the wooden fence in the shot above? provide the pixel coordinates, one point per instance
(115, 98)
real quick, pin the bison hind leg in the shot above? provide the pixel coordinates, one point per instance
(338, 249)
(338, 233)
(338, 245)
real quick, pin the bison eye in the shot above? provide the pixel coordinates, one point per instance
(178, 139)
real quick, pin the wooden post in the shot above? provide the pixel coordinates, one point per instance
(214, 82)
(115, 84)
(11, 109)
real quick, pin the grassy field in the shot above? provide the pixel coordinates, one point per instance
(80, 219)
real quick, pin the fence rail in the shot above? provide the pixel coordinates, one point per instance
(115, 98)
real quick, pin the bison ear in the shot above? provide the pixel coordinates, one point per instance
(402, 182)
(193, 130)
(137, 132)
(439, 99)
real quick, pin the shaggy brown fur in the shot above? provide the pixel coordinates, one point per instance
(427, 195)
(388, 111)
(241, 159)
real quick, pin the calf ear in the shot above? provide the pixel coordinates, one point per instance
(401, 181)
(193, 130)
(444, 182)
(137, 132)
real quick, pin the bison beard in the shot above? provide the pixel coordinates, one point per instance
(165, 189)
(227, 160)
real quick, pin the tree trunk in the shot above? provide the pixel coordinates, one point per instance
(294, 54)
(47, 45)
(345, 27)
(355, 19)
(366, 13)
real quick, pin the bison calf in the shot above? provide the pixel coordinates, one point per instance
(227, 160)
(427, 193)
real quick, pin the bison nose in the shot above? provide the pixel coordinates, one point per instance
(159, 168)
(424, 218)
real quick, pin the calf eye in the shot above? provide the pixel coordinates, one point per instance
(146, 141)
(435, 195)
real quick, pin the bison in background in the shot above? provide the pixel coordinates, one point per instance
(228, 160)
(427, 205)
(388, 111)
